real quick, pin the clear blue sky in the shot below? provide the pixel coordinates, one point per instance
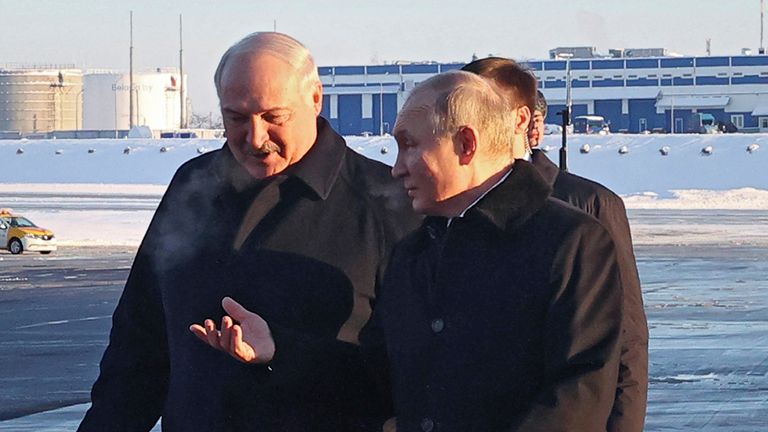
(94, 33)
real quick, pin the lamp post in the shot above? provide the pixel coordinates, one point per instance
(566, 112)
(116, 88)
(672, 117)
(381, 105)
(78, 109)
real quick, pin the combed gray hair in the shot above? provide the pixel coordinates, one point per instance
(460, 98)
(276, 44)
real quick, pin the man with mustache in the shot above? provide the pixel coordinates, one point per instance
(284, 220)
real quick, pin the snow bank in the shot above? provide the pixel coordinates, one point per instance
(104, 192)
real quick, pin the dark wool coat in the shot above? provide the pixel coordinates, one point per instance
(309, 268)
(509, 319)
(628, 414)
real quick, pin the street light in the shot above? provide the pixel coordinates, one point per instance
(78, 109)
(381, 108)
(116, 87)
(381, 105)
(566, 112)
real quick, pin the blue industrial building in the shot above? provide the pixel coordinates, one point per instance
(634, 95)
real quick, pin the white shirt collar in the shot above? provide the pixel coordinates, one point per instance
(501, 180)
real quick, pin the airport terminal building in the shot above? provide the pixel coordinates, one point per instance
(633, 92)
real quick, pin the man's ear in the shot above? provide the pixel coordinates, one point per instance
(317, 97)
(467, 138)
(522, 121)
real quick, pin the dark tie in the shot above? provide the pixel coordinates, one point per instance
(262, 204)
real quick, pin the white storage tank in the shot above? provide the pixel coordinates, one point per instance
(40, 98)
(157, 96)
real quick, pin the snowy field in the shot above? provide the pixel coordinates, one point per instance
(103, 192)
(698, 222)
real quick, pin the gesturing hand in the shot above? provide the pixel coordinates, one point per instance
(248, 341)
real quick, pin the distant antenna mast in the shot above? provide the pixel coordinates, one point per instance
(130, 79)
(709, 47)
(762, 12)
(182, 113)
(274, 27)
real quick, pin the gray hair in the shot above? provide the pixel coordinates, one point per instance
(459, 98)
(278, 45)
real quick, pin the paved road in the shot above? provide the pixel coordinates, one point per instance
(707, 308)
(55, 315)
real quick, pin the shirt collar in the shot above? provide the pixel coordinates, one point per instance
(508, 205)
(320, 167)
(495, 185)
(317, 170)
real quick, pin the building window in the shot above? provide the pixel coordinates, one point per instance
(763, 123)
(737, 120)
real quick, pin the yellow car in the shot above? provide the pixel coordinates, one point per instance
(19, 234)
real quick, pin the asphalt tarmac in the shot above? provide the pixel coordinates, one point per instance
(707, 309)
(55, 316)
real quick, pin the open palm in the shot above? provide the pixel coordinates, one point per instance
(244, 334)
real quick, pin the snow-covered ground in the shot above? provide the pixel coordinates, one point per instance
(705, 300)
(104, 192)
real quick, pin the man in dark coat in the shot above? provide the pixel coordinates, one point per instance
(628, 413)
(284, 220)
(502, 312)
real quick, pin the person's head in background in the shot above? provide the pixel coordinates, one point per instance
(536, 134)
(518, 86)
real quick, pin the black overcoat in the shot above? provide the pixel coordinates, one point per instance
(628, 413)
(508, 319)
(309, 267)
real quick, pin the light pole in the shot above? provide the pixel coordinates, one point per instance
(566, 112)
(381, 108)
(78, 109)
(116, 87)
(381, 105)
(672, 116)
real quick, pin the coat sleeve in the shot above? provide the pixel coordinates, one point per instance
(628, 414)
(131, 388)
(581, 357)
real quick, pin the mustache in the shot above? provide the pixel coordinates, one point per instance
(267, 148)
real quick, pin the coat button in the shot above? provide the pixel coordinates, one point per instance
(427, 424)
(437, 325)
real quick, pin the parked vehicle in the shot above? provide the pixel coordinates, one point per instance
(590, 124)
(19, 234)
(708, 124)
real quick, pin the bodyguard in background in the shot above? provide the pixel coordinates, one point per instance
(628, 413)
